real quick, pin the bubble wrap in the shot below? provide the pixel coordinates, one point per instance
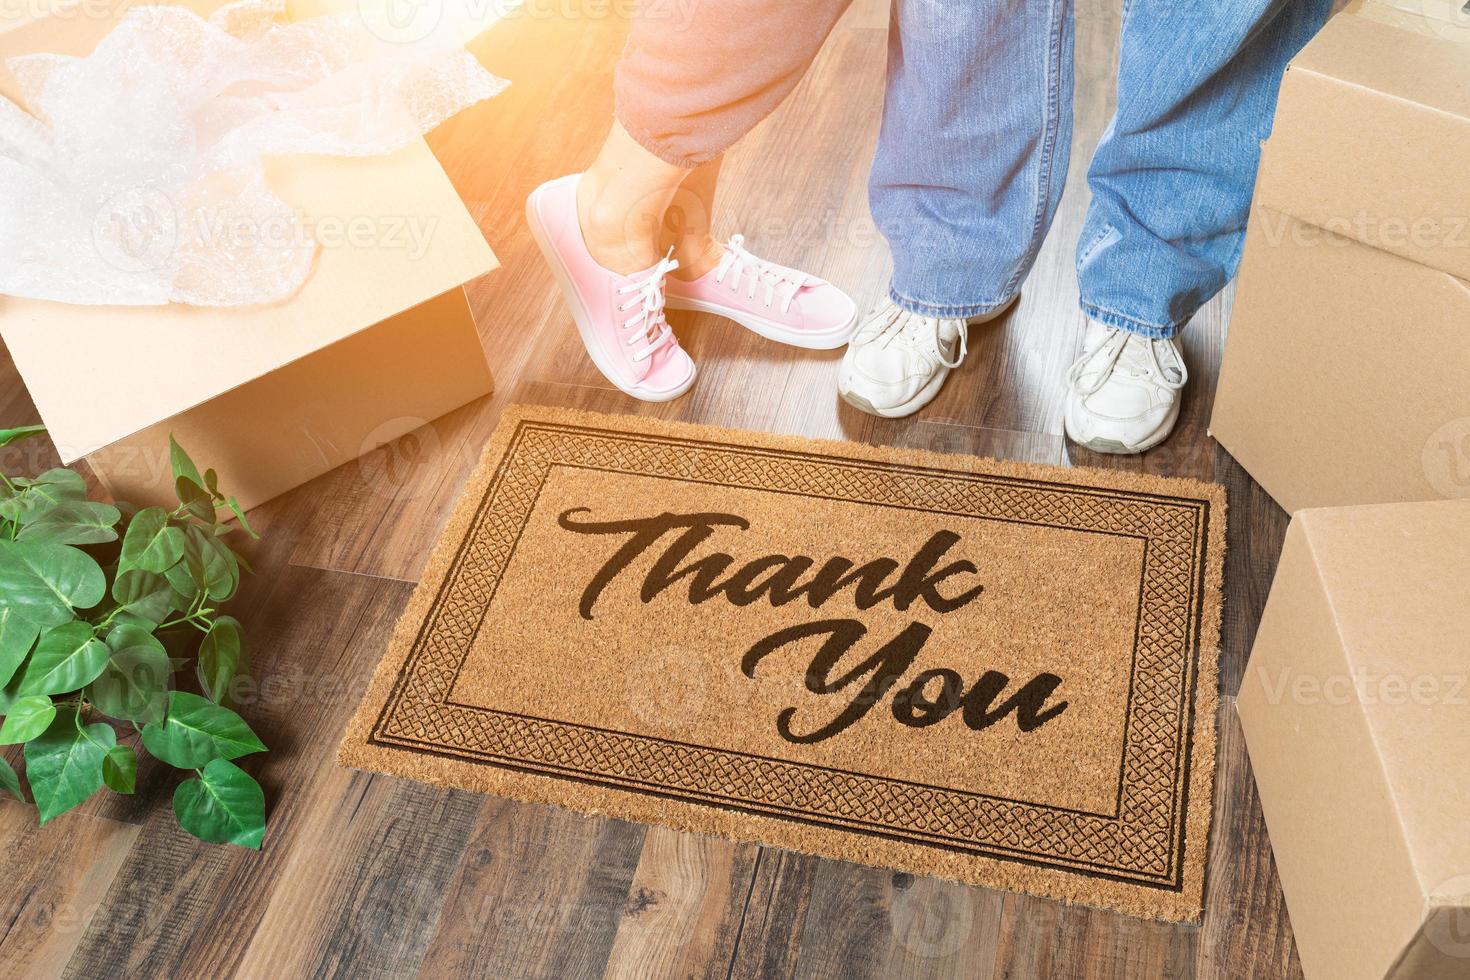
(136, 177)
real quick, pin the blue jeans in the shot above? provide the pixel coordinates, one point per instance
(977, 129)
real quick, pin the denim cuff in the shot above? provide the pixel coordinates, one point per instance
(949, 312)
(1128, 323)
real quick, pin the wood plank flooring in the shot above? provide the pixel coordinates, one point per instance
(366, 875)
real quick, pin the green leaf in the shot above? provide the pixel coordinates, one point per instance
(7, 436)
(9, 781)
(45, 582)
(120, 769)
(50, 489)
(195, 500)
(223, 806)
(239, 513)
(197, 731)
(219, 657)
(26, 498)
(60, 483)
(134, 683)
(144, 599)
(150, 543)
(27, 718)
(187, 577)
(9, 694)
(183, 466)
(64, 763)
(17, 636)
(74, 522)
(67, 658)
(221, 571)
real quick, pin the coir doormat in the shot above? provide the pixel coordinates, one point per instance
(998, 673)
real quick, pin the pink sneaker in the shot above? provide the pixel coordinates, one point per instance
(780, 304)
(620, 318)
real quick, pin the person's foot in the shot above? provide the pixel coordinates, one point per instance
(620, 318)
(780, 304)
(897, 361)
(1123, 392)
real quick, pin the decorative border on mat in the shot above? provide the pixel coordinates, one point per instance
(1143, 843)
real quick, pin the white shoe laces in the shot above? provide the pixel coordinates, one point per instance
(920, 336)
(778, 280)
(648, 324)
(1136, 354)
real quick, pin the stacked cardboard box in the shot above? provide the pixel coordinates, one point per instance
(1346, 377)
(1346, 381)
(1356, 710)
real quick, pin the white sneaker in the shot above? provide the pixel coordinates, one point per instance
(897, 361)
(1123, 392)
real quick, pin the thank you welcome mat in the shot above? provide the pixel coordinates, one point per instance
(998, 673)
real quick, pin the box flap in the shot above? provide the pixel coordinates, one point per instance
(399, 235)
(1370, 138)
(1396, 578)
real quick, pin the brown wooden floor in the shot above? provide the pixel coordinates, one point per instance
(364, 875)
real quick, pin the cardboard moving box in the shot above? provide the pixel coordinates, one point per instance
(1356, 711)
(378, 341)
(1346, 376)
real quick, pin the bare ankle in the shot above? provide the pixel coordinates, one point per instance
(608, 230)
(697, 256)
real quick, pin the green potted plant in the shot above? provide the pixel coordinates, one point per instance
(103, 609)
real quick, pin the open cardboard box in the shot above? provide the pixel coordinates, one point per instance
(1345, 371)
(379, 340)
(1356, 712)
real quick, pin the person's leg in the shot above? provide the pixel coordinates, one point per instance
(1172, 177)
(1171, 186)
(621, 200)
(688, 227)
(971, 161)
(973, 151)
(695, 77)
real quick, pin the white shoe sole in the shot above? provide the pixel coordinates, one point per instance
(770, 329)
(1117, 447)
(584, 322)
(924, 395)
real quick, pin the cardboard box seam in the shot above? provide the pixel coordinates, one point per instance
(1390, 96)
